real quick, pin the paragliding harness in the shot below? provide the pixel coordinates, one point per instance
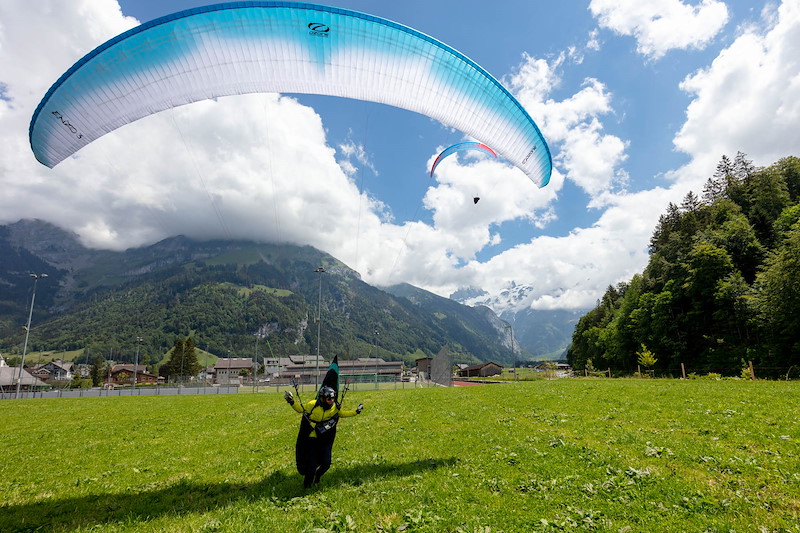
(323, 427)
(320, 428)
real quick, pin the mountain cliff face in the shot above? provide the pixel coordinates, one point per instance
(230, 296)
(468, 326)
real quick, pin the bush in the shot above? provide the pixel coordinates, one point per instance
(80, 383)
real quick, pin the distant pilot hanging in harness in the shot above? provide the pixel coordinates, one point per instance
(314, 446)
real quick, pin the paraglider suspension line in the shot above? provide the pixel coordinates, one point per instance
(302, 405)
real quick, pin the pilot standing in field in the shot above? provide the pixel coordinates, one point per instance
(314, 446)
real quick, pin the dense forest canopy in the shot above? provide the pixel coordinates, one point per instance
(722, 285)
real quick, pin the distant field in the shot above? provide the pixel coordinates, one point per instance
(535, 456)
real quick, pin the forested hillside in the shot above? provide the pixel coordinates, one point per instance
(233, 298)
(722, 286)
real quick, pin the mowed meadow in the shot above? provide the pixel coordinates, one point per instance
(621, 455)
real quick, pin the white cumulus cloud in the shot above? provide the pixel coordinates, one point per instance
(662, 25)
(748, 99)
(590, 157)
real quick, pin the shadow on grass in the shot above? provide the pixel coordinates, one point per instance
(186, 496)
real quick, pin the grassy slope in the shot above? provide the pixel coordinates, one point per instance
(566, 455)
(79, 357)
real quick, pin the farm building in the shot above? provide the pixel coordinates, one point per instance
(371, 368)
(481, 371)
(303, 368)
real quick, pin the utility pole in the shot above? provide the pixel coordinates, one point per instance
(136, 363)
(513, 357)
(376, 359)
(320, 271)
(27, 332)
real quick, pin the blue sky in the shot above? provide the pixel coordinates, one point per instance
(638, 100)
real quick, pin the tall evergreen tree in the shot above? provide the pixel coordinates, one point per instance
(190, 364)
(743, 168)
(97, 372)
(768, 196)
(182, 364)
(667, 223)
(724, 169)
(172, 367)
(691, 203)
(713, 190)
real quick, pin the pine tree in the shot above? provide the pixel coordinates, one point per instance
(724, 169)
(691, 203)
(743, 168)
(190, 365)
(173, 365)
(97, 371)
(182, 363)
(713, 190)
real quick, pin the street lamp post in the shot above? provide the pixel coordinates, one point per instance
(376, 359)
(513, 357)
(255, 366)
(27, 332)
(319, 271)
(136, 362)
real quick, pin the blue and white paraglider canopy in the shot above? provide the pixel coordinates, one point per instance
(283, 47)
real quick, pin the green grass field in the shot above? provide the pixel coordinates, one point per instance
(563, 455)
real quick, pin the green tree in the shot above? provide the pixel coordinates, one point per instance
(182, 364)
(80, 383)
(622, 334)
(787, 220)
(743, 168)
(190, 364)
(777, 300)
(730, 230)
(172, 367)
(768, 197)
(590, 336)
(98, 372)
(721, 284)
(732, 321)
(790, 168)
(645, 357)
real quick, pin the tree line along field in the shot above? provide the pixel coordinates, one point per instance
(564, 455)
(719, 290)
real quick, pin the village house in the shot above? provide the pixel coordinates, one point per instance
(9, 376)
(304, 368)
(122, 374)
(424, 367)
(55, 370)
(272, 366)
(207, 374)
(39, 371)
(228, 371)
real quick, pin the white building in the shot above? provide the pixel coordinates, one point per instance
(229, 370)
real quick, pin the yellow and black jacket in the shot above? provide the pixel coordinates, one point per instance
(314, 414)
